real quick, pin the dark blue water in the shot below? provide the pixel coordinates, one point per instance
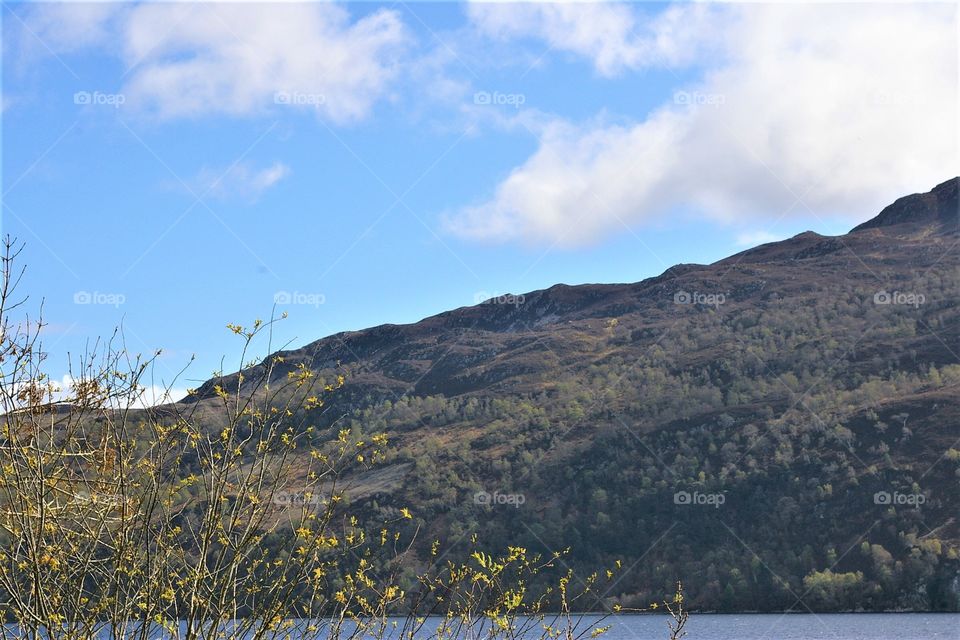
(794, 626)
(832, 626)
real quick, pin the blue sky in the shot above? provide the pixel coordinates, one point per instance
(174, 168)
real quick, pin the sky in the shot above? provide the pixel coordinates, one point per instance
(171, 168)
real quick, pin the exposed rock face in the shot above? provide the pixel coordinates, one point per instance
(938, 208)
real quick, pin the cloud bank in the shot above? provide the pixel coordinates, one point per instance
(611, 35)
(208, 58)
(798, 110)
(814, 110)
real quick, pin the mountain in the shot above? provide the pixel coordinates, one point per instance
(780, 429)
(937, 209)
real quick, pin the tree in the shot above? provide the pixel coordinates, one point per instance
(223, 516)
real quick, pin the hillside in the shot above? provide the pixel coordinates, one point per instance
(780, 428)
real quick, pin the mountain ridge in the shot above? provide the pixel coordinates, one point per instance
(900, 217)
(805, 380)
(938, 205)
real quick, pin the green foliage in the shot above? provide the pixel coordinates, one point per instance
(798, 414)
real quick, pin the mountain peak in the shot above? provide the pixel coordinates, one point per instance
(938, 207)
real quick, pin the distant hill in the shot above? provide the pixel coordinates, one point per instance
(780, 428)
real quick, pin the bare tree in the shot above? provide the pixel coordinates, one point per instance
(221, 517)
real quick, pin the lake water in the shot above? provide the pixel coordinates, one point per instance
(830, 626)
(793, 626)
(833, 626)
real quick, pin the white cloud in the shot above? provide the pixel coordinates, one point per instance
(755, 238)
(239, 180)
(270, 176)
(842, 106)
(70, 26)
(609, 34)
(144, 396)
(196, 59)
(154, 395)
